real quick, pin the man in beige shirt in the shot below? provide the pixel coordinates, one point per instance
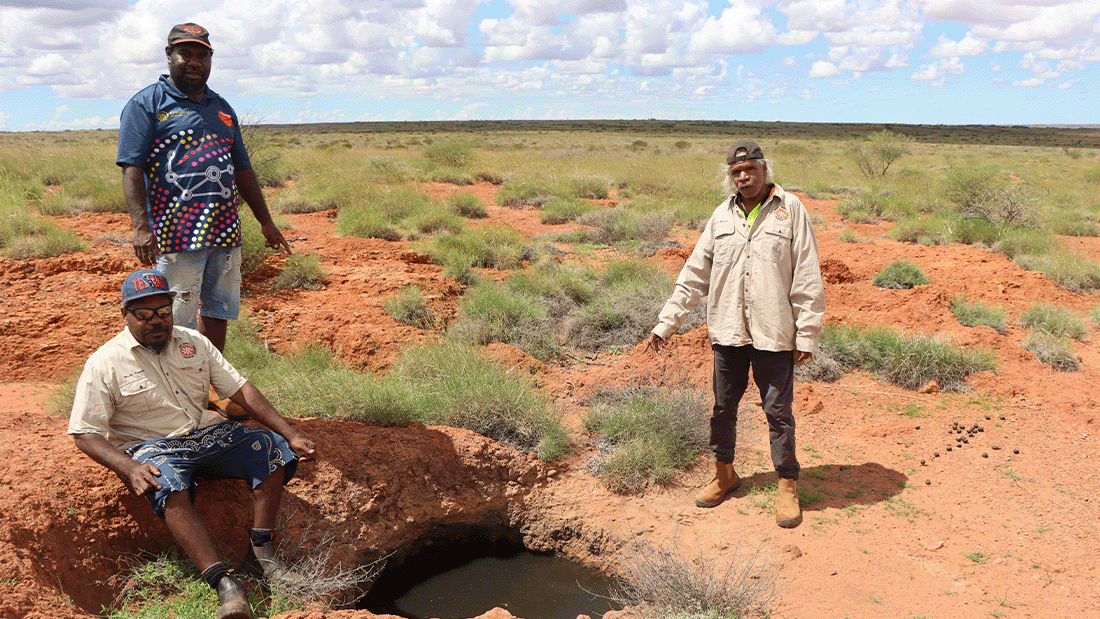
(756, 263)
(140, 410)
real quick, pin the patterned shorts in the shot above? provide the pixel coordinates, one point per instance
(226, 450)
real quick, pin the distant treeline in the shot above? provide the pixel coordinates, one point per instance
(1007, 135)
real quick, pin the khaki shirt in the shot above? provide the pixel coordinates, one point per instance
(763, 286)
(129, 394)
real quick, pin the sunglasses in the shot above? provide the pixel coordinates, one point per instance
(144, 313)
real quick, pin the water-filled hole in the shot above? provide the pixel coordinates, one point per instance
(466, 571)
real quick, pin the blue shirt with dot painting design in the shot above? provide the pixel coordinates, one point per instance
(190, 152)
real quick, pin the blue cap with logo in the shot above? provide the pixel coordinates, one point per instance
(144, 283)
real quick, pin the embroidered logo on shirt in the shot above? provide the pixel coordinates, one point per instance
(163, 116)
(780, 213)
(226, 118)
(187, 350)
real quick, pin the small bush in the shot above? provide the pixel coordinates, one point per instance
(976, 231)
(667, 581)
(978, 314)
(907, 362)
(366, 222)
(524, 194)
(450, 153)
(383, 169)
(1071, 271)
(589, 188)
(1024, 242)
(301, 271)
(966, 185)
(900, 275)
(1052, 350)
(494, 246)
(410, 307)
(1053, 320)
(490, 312)
(848, 236)
(617, 225)
(52, 242)
(646, 435)
(562, 211)
(458, 386)
(467, 205)
(923, 230)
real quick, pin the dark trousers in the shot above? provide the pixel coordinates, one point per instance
(773, 373)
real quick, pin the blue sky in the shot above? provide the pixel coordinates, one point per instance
(72, 64)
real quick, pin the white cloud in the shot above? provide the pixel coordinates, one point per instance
(823, 69)
(1069, 84)
(935, 73)
(968, 46)
(741, 29)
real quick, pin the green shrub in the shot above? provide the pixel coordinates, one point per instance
(458, 386)
(1071, 271)
(900, 275)
(301, 271)
(366, 222)
(1073, 224)
(908, 362)
(467, 205)
(1053, 320)
(1021, 242)
(589, 187)
(53, 242)
(629, 295)
(974, 314)
(387, 170)
(848, 236)
(1052, 350)
(491, 312)
(646, 435)
(617, 225)
(524, 194)
(450, 153)
(435, 221)
(923, 230)
(560, 211)
(254, 251)
(495, 246)
(966, 185)
(976, 231)
(410, 307)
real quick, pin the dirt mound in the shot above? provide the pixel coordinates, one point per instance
(896, 525)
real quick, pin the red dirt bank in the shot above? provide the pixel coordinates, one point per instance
(1014, 534)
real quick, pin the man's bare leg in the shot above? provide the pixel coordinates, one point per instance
(183, 521)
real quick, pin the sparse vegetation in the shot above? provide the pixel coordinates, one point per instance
(301, 271)
(900, 275)
(668, 580)
(874, 155)
(908, 362)
(410, 306)
(645, 435)
(1053, 320)
(974, 314)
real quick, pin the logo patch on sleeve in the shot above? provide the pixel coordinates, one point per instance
(187, 350)
(226, 118)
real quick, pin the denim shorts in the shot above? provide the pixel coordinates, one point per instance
(227, 450)
(206, 281)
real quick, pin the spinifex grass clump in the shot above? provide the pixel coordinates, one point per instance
(1053, 320)
(908, 362)
(668, 580)
(495, 246)
(645, 435)
(1057, 352)
(410, 307)
(301, 271)
(24, 236)
(440, 383)
(900, 275)
(493, 312)
(974, 314)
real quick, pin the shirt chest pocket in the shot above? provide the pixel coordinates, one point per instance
(728, 243)
(776, 243)
(138, 395)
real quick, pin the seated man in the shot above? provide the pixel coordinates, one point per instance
(140, 410)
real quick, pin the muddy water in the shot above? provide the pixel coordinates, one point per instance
(527, 585)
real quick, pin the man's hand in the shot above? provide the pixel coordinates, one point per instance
(273, 238)
(304, 447)
(653, 342)
(142, 479)
(801, 357)
(145, 245)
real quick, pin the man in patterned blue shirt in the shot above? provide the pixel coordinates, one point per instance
(185, 170)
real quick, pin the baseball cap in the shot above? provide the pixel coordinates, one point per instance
(751, 151)
(144, 283)
(189, 33)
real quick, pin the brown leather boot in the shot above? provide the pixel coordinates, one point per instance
(725, 481)
(234, 601)
(788, 514)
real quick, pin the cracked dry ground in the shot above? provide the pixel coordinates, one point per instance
(961, 536)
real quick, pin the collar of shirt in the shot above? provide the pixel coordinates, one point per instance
(174, 91)
(750, 217)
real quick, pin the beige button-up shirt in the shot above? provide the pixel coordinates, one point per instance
(129, 394)
(763, 285)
